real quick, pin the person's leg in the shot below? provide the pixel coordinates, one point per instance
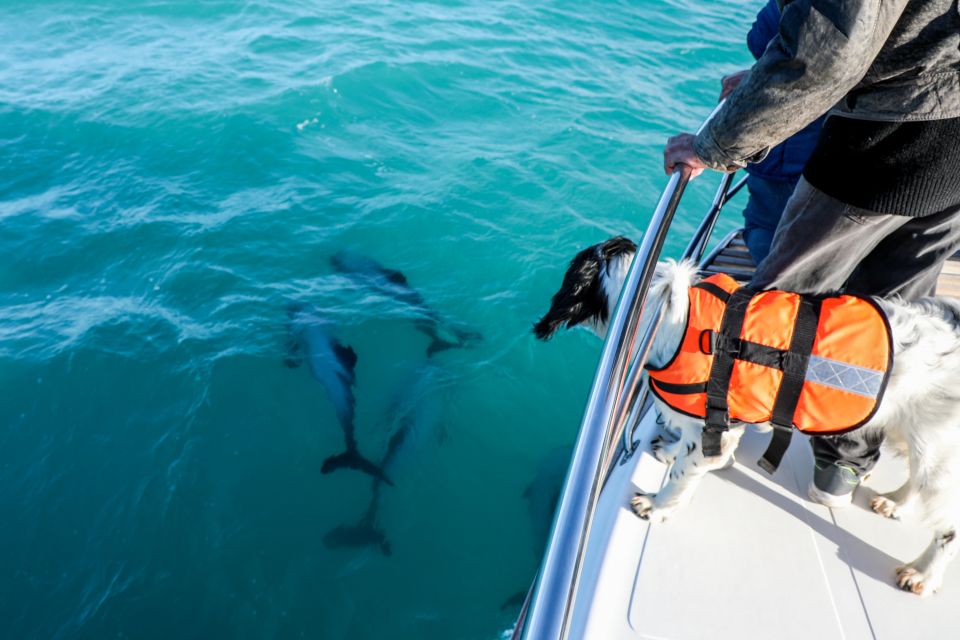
(858, 452)
(768, 199)
(908, 261)
(820, 242)
(840, 462)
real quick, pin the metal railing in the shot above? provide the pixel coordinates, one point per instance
(610, 409)
(636, 393)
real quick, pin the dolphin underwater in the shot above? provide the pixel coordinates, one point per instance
(543, 492)
(393, 284)
(542, 495)
(364, 533)
(332, 365)
(416, 412)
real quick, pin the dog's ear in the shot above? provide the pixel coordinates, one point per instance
(590, 288)
(579, 299)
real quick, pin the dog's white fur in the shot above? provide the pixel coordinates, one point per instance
(919, 416)
(612, 276)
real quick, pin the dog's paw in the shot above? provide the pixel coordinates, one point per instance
(642, 505)
(912, 580)
(645, 508)
(884, 506)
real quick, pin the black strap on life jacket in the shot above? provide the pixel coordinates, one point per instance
(726, 349)
(715, 290)
(794, 368)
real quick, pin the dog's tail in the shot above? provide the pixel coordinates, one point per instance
(351, 459)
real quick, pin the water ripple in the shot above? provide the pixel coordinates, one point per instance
(174, 174)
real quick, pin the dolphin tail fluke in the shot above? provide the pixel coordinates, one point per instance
(461, 338)
(360, 535)
(439, 344)
(372, 469)
(351, 459)
(468, 336)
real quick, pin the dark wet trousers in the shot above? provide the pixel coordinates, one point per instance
(823, 245)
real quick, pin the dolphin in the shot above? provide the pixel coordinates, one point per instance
(543, 492)
(416, 413)
(393, 284)
(331, 364)
(364, 533)
(542, 495)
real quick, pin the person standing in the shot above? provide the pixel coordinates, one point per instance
(772, 181)
(877, 210)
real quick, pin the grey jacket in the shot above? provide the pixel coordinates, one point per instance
(890, 60)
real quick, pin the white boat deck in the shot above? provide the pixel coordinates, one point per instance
(751, 557)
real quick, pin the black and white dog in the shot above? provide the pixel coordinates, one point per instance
(919, 414)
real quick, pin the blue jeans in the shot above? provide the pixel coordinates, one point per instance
(768, 198)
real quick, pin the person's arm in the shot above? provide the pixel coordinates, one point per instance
(823, 49)
(764, 27)
(730, 82)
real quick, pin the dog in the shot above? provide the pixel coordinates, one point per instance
(918, 415)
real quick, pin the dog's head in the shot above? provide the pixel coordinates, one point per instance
(592, 284)
(590, 288)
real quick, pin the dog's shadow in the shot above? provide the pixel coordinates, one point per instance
(852, 550)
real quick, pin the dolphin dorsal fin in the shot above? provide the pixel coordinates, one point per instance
(346, 355)
(528, 492)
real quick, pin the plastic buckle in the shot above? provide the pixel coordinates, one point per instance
(766, 465)
(710, 440)
(725, 344)
(717, 414)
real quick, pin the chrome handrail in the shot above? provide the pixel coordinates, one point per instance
(551, 604)
(548, 610)
(636, 392)
(701, 237)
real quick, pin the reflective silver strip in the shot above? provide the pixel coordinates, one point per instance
(845, 377)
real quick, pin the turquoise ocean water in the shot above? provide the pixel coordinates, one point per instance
(174, 174)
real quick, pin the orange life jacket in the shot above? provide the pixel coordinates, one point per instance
(819, 364)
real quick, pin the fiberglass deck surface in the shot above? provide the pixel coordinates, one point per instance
(751, 558)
